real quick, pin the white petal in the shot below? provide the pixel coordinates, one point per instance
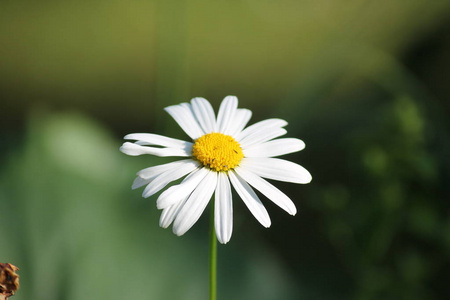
(223, 209)
(226, 113)
(155, 139)
(204, 114)
(277, 169)
(262, 136)
(260, 127)
(250, 199)
(169, 214)
(274, 148)
(139, 181)
(268, 190)
(184, 116)
(241, 119)
(195, 205)
(152, 172)
(176, 193)
(168, 176)
(135, 150)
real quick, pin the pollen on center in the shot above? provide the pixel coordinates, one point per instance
(217, 151)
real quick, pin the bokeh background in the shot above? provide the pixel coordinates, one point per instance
(364, 83)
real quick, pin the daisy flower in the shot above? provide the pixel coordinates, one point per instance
(221, 154)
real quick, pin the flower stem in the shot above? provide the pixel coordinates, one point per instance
(212, 258)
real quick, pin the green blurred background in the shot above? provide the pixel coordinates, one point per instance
(363, 83)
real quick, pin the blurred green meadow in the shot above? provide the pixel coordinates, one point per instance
(363, 83)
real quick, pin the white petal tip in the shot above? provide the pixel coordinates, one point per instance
(306, 180)
(170, 107)
(230, 98)
(291, 210)
(178, 232)
(266, 223)
(123, 149)
(163, 225)
(302, 176)
(223, 240)
(139, 182)
(131, 149)
(129, 136)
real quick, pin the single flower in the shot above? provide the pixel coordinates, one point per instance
(221, 151)
(9, 280)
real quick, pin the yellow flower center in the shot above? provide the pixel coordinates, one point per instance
(217, 151)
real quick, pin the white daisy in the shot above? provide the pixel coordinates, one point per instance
(221, 151)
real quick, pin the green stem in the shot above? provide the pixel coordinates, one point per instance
(212, 258)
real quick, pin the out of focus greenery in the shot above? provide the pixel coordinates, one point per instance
(363, 83)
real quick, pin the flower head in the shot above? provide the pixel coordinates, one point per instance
(9, 280)
(221, 152)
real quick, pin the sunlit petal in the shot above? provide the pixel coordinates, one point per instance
(274, 148)
(277, 169)
(250, 199)
(223, 210)
(226, 114)
(204, 113)
(268, 190)
(195, 204)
